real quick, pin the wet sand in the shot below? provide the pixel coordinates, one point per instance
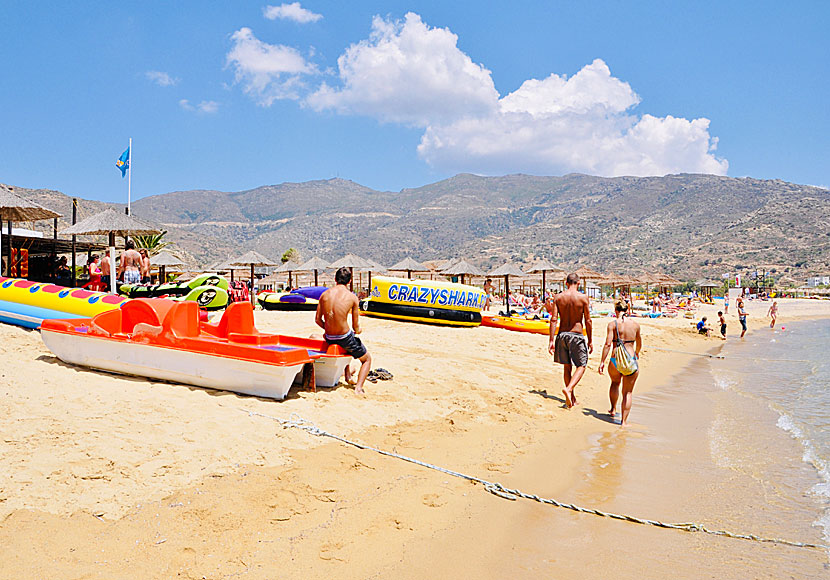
(107, 476)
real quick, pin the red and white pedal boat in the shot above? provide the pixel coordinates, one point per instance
(162, 339)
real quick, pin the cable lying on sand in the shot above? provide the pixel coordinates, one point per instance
(296, 422)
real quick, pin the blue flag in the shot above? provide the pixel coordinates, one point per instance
(123, 162)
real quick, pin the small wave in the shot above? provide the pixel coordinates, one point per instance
(725, 383)
(821, 465)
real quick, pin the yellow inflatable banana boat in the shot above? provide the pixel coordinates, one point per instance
(430, 301)
(516, 323)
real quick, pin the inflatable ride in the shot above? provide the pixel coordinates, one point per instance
(163, 339)
(28, 304)
(516, 323)
(209, 291)
(298, 299)
(430, 301)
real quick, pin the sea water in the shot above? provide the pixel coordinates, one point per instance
(786, 369)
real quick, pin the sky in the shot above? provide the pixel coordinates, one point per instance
(393, 95)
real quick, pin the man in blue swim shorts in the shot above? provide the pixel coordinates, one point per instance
(333, 317)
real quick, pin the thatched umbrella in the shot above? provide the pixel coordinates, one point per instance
(254, 260)
(112, 223)
(351, 262)
(14, 208)
(462, 268)
(507, 270)
(544, 266)
(376, 268)
(163, 260)
(289, 267)
(587, 274)
(408, 265)
(314, 265)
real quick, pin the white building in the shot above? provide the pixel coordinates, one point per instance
(814, 281)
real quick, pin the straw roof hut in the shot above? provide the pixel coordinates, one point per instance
(14, 208)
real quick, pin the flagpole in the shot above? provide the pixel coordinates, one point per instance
(129, 175)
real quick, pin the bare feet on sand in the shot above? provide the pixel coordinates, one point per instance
(570, 398)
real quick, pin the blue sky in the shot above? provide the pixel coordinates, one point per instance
(233, 95)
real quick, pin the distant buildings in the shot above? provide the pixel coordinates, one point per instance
(813, 281)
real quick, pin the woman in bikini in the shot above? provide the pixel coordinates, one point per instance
(626, 333)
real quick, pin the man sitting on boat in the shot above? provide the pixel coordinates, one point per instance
(333, 317)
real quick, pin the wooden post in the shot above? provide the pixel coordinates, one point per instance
(74, 242)
(253, 294)
(507, 294)
(9, 261)
(315, 277)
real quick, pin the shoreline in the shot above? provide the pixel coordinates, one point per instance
(333, 506)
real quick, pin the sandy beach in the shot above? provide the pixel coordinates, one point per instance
(105, 476)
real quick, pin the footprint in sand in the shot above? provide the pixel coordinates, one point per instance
(433, 500)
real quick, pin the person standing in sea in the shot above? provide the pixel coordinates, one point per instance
(568, 346)
(741, 315)
(773, 313)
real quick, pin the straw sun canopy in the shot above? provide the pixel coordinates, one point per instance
(254, 259)
(463, 268)
(111, 222)
(165, 259)
(14, 208)
(352, 261)
(409, 265)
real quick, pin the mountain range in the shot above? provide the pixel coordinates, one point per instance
(688, 225)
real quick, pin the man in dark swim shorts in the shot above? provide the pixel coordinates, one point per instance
(333, 316)
(567, 344)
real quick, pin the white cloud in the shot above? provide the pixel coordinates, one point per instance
(162, 79)
(267, 72)
(207, 107)
(576, 124)
(408, 73)
(291, 11)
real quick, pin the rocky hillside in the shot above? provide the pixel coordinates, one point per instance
(688, 225)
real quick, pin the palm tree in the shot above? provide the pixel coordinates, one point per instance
(153, 243)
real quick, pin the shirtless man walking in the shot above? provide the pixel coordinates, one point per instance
(130, 264)
(333, 317)
(568, 346)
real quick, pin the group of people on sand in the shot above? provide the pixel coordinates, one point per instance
(570, 340)
(571, 343)
(133, 267)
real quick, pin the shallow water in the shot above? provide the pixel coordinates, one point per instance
(740, 444)
(788, 371)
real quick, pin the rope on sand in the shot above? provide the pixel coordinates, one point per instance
(722, 357)
(296, 422)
